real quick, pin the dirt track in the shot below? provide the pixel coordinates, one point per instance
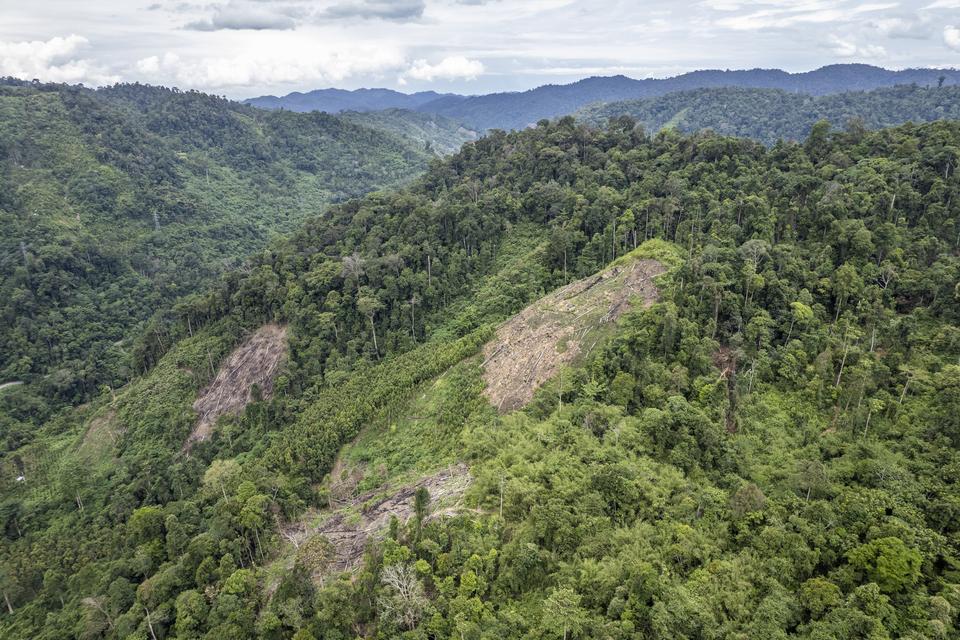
(531, 347)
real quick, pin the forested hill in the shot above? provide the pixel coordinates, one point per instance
(769, 115)
(117, 201)
(437, 134)
(337, 100)
(516, 110)
(768, 451)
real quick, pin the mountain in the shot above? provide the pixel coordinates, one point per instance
(435, 133)
(337, 100)
(116, 202)
(769, 115)
(518, 110)
(569, 383)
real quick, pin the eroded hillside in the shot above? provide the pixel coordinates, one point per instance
(531, 347)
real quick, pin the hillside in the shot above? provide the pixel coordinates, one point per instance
(516, 110)
(117, 202)
(763, 446)
(436, 134)
(337, 100)
(769, 115)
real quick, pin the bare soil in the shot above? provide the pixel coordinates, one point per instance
(531, 347)
(367, 516)
(255, 362)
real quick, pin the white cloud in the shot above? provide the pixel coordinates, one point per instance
(54, 60)
(450, 68)
(798, 13)
(849, 49)
(899, 27)
(284, 66)
(951, 36)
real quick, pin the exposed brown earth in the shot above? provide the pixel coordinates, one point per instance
(531, 347)
(367, 516)
(255, 362)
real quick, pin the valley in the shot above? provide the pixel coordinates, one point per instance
(593, 381)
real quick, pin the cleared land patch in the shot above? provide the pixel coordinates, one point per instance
(531, 347)
(255, 362)
(367, 516)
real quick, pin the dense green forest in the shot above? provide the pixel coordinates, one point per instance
(116, 202)
(769, 451)
(520, 109)
(438, 134)
(769, 115)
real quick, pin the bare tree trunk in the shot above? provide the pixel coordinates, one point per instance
(373, 329)
(150, 624)
(6, 599)
(843, 361)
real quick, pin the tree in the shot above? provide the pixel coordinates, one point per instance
(562, 614)
(403, 601)
(370, 306)
(888, 562)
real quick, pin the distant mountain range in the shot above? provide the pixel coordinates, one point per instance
(517, 110)
(337, 100)
(769, 115)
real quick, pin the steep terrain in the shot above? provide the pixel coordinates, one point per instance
(516, 110)
(531, 347)
(246, 375)
(436, 134)
(769, 115)
(766, 450)
(118, 201)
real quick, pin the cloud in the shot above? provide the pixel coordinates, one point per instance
(951, 36)
(850, 49)
(797, 13)
(257, 16)
(280, 66)
(898, 27)
(398, 10)
(54, 60)
(450, 68)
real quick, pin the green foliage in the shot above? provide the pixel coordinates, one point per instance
(769, 115)
(888, 562)
(119, 201)
(770, 450)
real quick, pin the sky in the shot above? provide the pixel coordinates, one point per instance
(245, 48)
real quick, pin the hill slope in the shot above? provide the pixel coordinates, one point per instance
(437, 134)
(115, 202)
(768, 115)
(337, 100)
(516, 110)
(769, 450)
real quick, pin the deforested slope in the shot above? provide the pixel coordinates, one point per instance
(766, 450)
(118, 201)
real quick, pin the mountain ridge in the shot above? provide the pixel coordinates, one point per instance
(519, 109)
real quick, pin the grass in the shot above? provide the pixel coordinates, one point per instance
(424, 436)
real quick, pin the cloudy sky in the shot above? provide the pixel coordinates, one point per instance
(243, 48)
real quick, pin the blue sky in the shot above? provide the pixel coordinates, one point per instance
(243, 48)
